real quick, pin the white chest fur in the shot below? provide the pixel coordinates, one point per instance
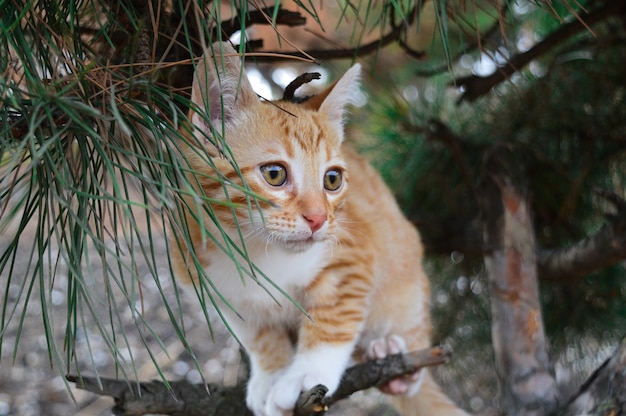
(272, 266)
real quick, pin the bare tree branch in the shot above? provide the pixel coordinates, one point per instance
(182, 398)
(349, 53)
(476, 86)
(604, 393)
(284, 17)
(290, 90)
(603, 249)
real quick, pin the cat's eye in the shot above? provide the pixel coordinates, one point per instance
(333, 179)
(275, 174)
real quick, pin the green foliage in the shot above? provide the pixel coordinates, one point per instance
(569, 124)
(593, 307)
(89, 165)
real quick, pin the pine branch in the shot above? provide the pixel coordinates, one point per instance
(284, 17)
(394, 35)
(492, 35)
(591, 253)
(604, 392)
(476, 86)
(182, 398)
(605, 248)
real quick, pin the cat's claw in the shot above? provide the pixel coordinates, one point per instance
(395, 344)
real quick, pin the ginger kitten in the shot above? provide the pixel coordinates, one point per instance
(325, 229)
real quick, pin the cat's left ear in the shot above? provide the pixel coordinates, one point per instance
(220, 88)
(333, 100)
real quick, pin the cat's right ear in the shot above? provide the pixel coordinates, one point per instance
(220, 89)
(334, 100)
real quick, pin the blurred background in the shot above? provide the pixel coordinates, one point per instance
(93, 94)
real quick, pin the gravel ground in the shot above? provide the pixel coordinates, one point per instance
(30, 386)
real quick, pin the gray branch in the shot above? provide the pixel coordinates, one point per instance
(602, 249)
(604, 393)
(182, 398)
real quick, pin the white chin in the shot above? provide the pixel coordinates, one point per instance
(298, 245)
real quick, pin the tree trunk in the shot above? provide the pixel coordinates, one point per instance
(528, 384)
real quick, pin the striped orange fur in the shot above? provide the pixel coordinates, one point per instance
(325, 229)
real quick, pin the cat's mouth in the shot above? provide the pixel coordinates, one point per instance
(300, 244)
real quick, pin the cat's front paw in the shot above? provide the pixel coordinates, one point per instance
(283, 396)
(257, 392)
(395, 344)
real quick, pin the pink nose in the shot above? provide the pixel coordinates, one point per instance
(315, 221)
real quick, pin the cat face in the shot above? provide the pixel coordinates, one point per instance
(293, 161)
(288, 154)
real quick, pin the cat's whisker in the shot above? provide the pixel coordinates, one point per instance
(333, 242)
(349, 221)
(269, 241)
(344, 233)
(254, 232)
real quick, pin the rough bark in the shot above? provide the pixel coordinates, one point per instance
(182, 398)
(520, 347)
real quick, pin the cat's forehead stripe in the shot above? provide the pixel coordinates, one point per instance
(329, 152)
(288, 145)
(309, 138)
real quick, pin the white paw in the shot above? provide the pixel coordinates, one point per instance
(322, 365)
(395, 344)
(284, 394)
(325, 366)
(257, 391)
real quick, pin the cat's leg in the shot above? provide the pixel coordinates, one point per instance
(389, 345)
(323, 365)
(270, 351)
(417, 394)
(326, 341)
